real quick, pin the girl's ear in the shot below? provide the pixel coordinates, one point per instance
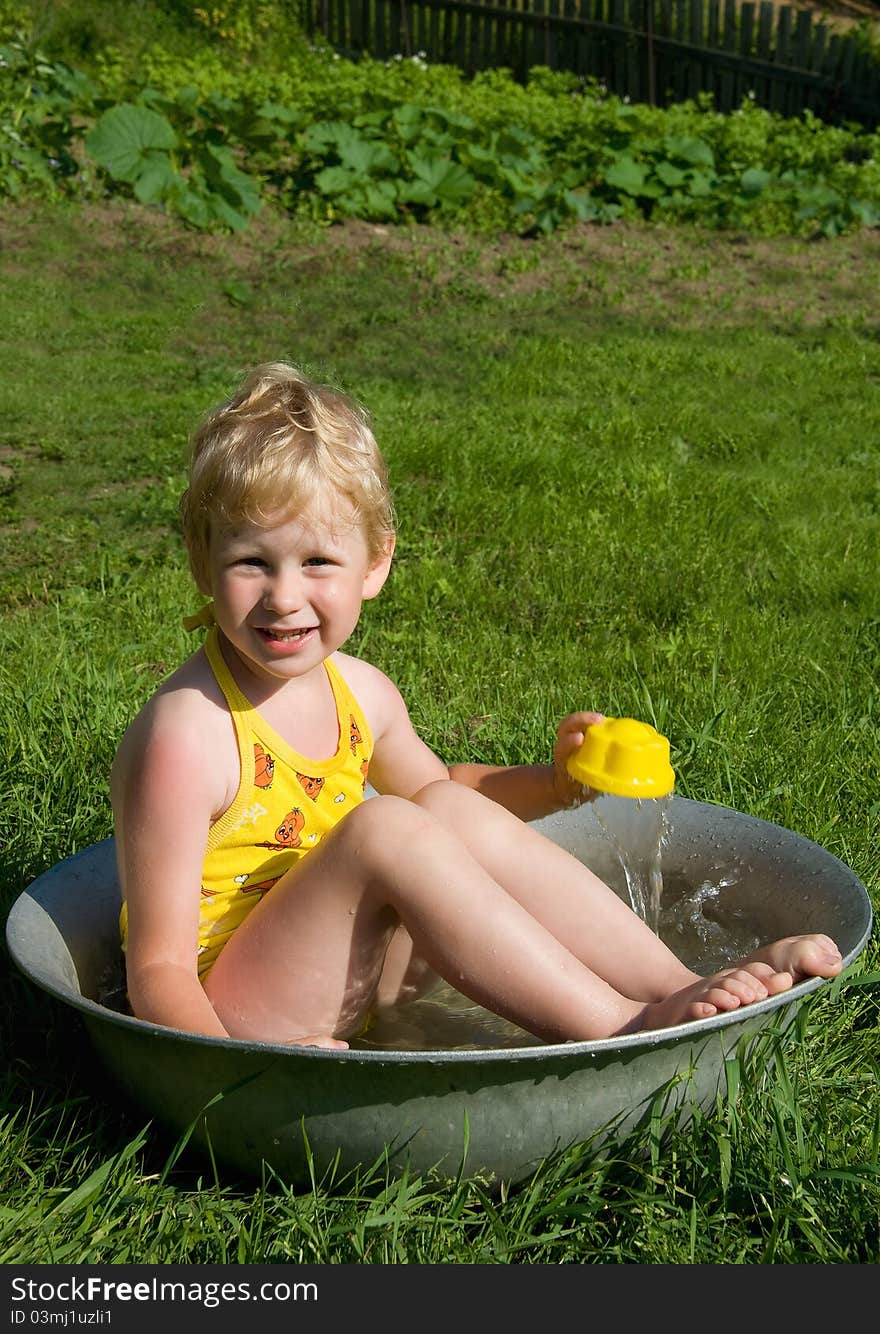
(374, 579)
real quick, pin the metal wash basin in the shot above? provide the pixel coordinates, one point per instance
(512, 1104)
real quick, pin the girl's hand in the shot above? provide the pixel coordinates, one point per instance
(569, 738)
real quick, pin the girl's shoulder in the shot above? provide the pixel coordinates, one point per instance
(376, 693)
(189, 698)
(187, 716)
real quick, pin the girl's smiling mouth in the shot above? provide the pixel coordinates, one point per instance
(285, 636)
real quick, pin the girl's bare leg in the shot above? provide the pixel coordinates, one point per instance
(561, 893)
(405, 976)
(306, 963)
(591, 920)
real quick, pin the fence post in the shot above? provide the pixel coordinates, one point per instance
(659, 50)
(404, 38)
(649, 52)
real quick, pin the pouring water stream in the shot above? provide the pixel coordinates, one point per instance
(638, 829)
(627, 763)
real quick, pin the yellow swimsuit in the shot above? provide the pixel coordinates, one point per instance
(284, 806)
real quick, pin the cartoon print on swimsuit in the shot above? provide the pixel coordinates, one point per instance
(264, 766)
(354, 736)
(365, 769)
(311, 786)
(244, 888)
(288, 832)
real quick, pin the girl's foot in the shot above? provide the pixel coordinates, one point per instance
(802, 956)
(769, 971)
(746, 984)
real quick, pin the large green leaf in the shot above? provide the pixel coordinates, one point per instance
(701, 183)
(443, 181)
(688, 148)
(670, 175)
(239, 191)
(362, 155)
(627, 175)
(127, 137)
(380, 198)
(156, 179)
(324, 135)
(409, 121)
(334, 180)
(191, 205)
(867, 213)
(754, 180)
(366, 156)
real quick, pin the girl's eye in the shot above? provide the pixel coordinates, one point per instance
(318, 560)
(250, 560)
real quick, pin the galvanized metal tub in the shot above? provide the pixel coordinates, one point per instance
(512, 1106)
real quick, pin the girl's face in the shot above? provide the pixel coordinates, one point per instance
(288, 594)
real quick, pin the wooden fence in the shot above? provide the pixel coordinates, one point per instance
(656, 51)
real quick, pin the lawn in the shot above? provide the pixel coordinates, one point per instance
(636, 469)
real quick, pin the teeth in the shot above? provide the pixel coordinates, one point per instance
(286, 634)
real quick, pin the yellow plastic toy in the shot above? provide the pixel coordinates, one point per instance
(624, 757)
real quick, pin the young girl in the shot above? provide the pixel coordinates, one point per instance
(263, 897)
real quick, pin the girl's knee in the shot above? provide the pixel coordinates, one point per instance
(379, 827)
(454, 805)
(441, 795)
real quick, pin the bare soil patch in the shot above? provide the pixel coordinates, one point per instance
(680, 276)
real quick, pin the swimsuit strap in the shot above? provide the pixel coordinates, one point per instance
(240, 711)
(238, 702)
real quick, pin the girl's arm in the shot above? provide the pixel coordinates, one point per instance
(534, 790)
(164, 796)
(402, 763)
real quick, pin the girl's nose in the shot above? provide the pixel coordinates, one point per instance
(284, 593)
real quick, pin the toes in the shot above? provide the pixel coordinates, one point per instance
(816, 956)
(722, 998)
(746, 985)
(319, 1040)
(763, 971)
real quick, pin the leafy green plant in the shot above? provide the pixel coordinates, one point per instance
(200, 181)
(817, 205)
(38, 102)
(406, 141)
(133, 145)
(437, 181)
(358, 168)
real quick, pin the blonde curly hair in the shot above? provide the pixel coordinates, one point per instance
(280, 444)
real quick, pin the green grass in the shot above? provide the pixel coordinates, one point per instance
(632, 473)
